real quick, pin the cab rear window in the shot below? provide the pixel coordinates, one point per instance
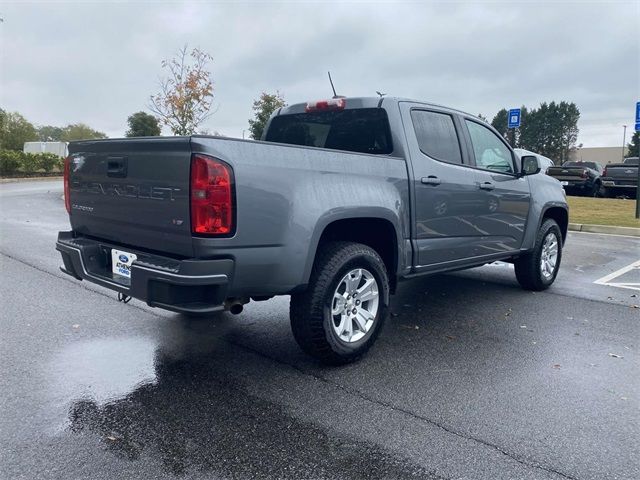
(362, 130)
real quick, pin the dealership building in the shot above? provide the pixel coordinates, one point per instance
(602, 155)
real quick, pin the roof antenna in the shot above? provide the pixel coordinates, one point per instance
(335, 95)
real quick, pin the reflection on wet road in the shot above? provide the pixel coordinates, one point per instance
(104, 369)
(135, 400)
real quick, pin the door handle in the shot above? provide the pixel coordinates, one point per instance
(430, 180)
(487, 186)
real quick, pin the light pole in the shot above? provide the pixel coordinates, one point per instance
(624, 139)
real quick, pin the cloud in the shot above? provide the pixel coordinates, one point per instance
(98, 63)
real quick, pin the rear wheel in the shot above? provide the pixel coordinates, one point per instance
(598, 190)
(340, 315)
(538, 269)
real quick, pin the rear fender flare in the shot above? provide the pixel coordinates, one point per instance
(329, 217)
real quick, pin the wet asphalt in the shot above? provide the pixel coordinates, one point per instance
(472, 377)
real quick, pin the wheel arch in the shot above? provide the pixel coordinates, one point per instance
(560, 215)
(377, 229)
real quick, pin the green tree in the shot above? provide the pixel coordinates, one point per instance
(186, 94)
(535, 135)
(80, 131)
(500, 121)
(550, 130)
(263, 107)
(49, 133)
(15, 130)
(142, 124)
(634, 146)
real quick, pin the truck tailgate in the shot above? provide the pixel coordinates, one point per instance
(624, 173)
(567, 173)
(133, 192)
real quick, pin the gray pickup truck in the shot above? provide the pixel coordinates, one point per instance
(341, 200)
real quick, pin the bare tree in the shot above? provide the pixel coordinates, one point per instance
(186, 94)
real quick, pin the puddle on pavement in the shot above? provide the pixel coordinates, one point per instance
(180, 402)
(104, 369)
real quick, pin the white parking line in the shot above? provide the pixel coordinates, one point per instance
(606, 280)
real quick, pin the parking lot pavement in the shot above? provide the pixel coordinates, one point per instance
(471, 378)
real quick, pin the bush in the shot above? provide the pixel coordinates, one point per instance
(48, 161)
(30, 162)
(10, 161)
(14, 162)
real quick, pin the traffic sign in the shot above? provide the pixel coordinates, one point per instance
(637, 115)
(514, 118)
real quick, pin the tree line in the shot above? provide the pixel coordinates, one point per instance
(550, 130)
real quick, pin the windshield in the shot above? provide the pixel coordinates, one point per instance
(363, 130)
(631, 161)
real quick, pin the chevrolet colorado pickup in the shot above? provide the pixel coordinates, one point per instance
(341, 200)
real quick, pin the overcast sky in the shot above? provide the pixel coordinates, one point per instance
(98, 62)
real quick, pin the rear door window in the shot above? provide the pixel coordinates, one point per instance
(362, 130)
(437, 136)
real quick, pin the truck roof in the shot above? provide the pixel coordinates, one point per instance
(369, 102)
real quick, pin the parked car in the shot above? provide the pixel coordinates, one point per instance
(343, 199)
(621, 178)
(579, 177)
(544, 162)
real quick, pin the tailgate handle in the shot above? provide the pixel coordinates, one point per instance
(117, 167)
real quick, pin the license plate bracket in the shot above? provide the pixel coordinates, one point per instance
(121, 262)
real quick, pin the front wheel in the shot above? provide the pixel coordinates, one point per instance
(538, 269)
(339, 316)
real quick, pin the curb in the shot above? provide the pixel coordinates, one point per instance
(606, 229)
(30, 179)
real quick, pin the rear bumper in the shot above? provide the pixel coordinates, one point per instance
(582, 184)
(628, 184)
(185, 286)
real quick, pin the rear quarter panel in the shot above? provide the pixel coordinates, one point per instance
(286, 195)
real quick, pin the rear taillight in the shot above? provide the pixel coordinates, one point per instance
(67, 184)
(604, 172)
(326, 105)
(211, 196)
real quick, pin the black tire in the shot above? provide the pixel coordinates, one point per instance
(528, 267)
(598, 190)
(310, 311)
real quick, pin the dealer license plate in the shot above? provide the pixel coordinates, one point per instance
(121, 262)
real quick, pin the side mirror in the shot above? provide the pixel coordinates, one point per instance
(529, 165)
